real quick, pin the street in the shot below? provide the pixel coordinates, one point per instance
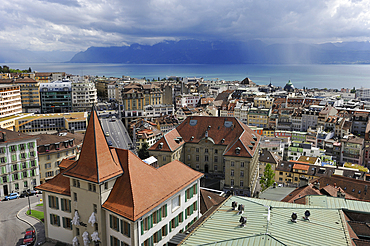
(118, 134)
(12, 229)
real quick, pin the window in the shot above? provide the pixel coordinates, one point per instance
(197, 158)
(33, 163)
(13, 148)
(114, 222)
(23, 155)
(205, 150)
(49, 174)
(75, 196)
(164, 158)
(164, 211)
(31, 145)
(15, 167)
(24, 165)
(189, 157)
(48, 157)
(106, 186)
(206, 158)
(47, 165)
(215, 167)
(58, 155)
(25, 184)
(164, 231)
(67, 223)
(232, 173)
(216, 151)
(25, 174)
(92, 187)
(76, 183)
(241, 173)
(95, 208)
(65, 204)
(125, 228)
(2, 159)
(241, 183)
(215, 159)
(16, 185)
(54, 219)
(197, 150)
(53, 202)
(21, 146)
(77, 232)
(175, 203)
(232, 182)
(232, 163)
(242, 164)
(114, 241)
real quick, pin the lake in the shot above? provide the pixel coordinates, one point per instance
(320, 76)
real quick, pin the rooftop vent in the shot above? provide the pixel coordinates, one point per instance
(192, 137)
(223, 140)
(307, 215)
(254, 137)
(234, 205)
(243, 221)
(294, 218)
(237, 150)
(193, 122)
(241, 209)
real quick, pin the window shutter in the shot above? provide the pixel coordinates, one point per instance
(1, 180)
(15, 147)
(151, 221)
(129, 229)
(64, 221)
(49, 201)
(51, 218)
(5, 159)
(62, 205)
(58, 219)
(69, 205)
(151, 241)
(10, 148)
(117, 222)
(186, 213)
(159, 235)
(111, 240)
(7, 178)
(3, 170)
(191, 209)
(159, 215)
(28, 145)
(165, 210)
(21, 174)
(186, 195)
(110, 221)
(19, 166)
(122, 226)
(191, 192)
(12, 168)
(142, 227)
(57, 202)
(12, 177)
(170, 226)
(195, 206)
(177, 221)
(196, 189)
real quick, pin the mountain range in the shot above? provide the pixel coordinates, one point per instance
(205, 52)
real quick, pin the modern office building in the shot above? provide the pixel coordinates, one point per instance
(56, 97)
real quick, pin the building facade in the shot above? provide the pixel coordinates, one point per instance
(19, 169)
(84, 95)
(56, 97)
(10, 100)
(101, 198)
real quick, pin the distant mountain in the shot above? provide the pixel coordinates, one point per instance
(26, 56)
(205, 52)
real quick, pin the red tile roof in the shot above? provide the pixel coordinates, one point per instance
(301, 167)
(96, 163)
(59, 184)
(145, 187)
(232, 135)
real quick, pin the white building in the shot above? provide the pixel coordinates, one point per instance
(84, 94)
(10, 100)
(19, 168)
(111, 197)
(187, 100)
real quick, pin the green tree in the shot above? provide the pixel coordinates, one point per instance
(353, 90)
(143, 151)
(268, 177)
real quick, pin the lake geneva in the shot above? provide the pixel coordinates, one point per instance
(319, 76)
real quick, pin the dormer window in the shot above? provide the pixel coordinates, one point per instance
(192, 137)
(160, 145)
(65, 144)
(47, 147)
(57, 146)
(223, 140)
(237, 150)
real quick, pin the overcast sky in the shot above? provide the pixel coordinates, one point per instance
(75, 25)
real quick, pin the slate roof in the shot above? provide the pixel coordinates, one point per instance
(96, 163)
(145, 187)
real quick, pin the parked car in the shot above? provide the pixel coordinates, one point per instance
(27, 192)
(110, 143)
(107, 134)
(12, 196)
(29, 237)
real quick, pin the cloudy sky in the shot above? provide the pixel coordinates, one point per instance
(75, 25)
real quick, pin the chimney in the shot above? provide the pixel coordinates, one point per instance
(4, 136)
(341, 194)
(303, 181)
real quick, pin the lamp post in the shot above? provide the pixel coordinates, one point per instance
(29, 202)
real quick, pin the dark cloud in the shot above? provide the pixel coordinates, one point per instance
(77, 24)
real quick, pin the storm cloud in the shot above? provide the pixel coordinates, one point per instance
(75, 25)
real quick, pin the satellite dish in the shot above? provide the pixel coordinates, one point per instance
(307, 215)
(294, 217)
(243, 221)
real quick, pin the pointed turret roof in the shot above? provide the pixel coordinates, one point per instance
(96, 162)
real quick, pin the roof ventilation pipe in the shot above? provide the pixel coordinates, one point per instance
(243, 221)
(307, 215)
(241, 209)
(234, 205)
(294, 218)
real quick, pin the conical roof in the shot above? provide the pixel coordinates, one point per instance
(96, 163)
